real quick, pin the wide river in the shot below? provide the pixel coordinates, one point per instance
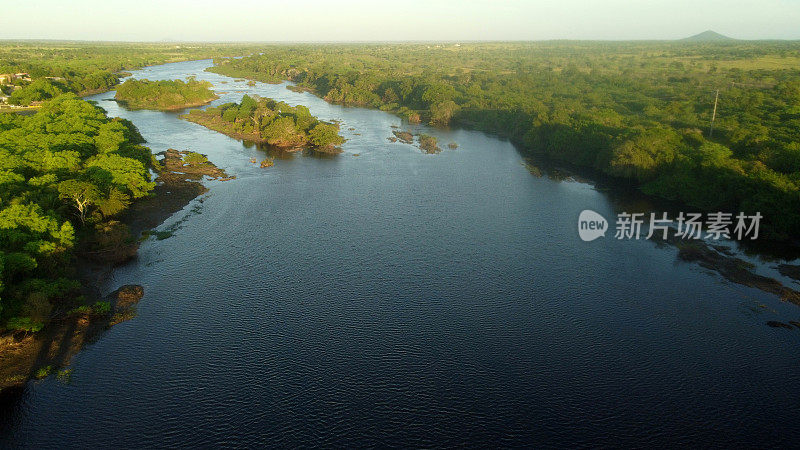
(386, 297)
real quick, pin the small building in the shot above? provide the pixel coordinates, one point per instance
(23, 76)
(6, 78)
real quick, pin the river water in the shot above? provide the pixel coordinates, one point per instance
(388, 297)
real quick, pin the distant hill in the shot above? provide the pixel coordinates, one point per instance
(708, 36)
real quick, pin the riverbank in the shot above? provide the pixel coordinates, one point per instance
(394, 274)
(26, 356)
(642, 142)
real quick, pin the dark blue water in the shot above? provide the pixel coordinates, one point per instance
(402, 299)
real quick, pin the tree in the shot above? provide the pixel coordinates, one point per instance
(126, 173)
(643, 151)
(115, 202)
(37, 91)
(441, 113)
(282, 132)
(325, 135)
(82, 194)
(110, 136)
(438, 93)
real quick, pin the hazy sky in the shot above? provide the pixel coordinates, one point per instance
(357, 20)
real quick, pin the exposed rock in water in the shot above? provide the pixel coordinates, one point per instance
(776, 324)
(127, 296)
(789, 270)
(177, 186)
(723, 249)
(267, 162)
(452, 145)
(405, 137)
(533, 169)
(428, 144)
(731, 268)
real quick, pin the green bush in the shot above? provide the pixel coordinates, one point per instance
(24, 324)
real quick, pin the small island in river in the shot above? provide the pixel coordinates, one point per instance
(165, 95)
(265, 120)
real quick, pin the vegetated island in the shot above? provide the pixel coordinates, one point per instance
(32, 72)
(708, 125)
(165, 95)
(264, 120)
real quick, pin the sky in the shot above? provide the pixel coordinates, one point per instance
(403, 20)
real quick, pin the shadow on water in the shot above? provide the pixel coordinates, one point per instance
(451, 302)
(290, 154)
(724, 258)
(25, 358)
(626, 197)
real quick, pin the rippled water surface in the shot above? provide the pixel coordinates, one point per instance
(398, 298)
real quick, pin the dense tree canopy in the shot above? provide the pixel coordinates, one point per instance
(265, 120)
(85, 68)
(164, 94)
(62, 170)
(639, 111)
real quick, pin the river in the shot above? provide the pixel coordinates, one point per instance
(386, 297)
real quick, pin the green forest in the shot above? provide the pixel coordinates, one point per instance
(275, 123)
(68, 171)
(164, 95)
(56, 67)
(46, 88)
(65, 173)
(639, 112)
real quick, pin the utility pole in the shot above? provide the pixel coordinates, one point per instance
(713, 115)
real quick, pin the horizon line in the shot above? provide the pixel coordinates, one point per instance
(394, 41)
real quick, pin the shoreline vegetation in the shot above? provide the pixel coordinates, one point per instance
(68, 172)
(637, 112)
(33, 72)
(37, 353)
(76, 195)
(263, 120)
(49, 351)
(166, 95)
